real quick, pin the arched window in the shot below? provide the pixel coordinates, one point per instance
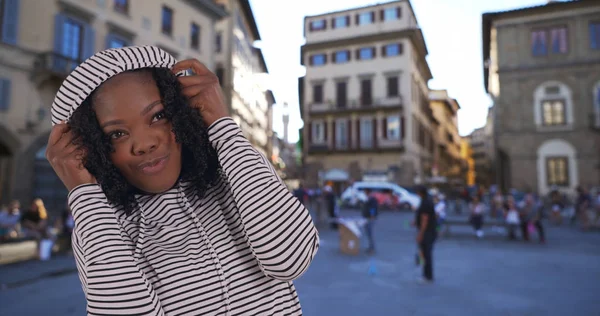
(553, 106)
(556, 166)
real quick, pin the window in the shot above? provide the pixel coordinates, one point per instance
(218, 42)
(318, 25)
(115, 41)
(342, 56)
(195, 36)
(557, 171)
(72, 44)
(4, 94)
(318, 132)
(538, 43)
(318, 60)
(553, 112)
(167, 21)
(341, 134)
(366, 133)
(341, 94)
(558, 37)
(392, 50)
(220, 73)
(122, 6)
(365, 18)
(365, 92)
(392, 128)
(392, 87)
(9, 21)
(595, 35)
(366, 53)
(318, 93)
(390, 14)
(341, 22)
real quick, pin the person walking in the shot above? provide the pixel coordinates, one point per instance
(425, 221)
(370, 211)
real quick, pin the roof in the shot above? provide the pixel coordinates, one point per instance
(247, 10)
(270, 95)
(261, 59)
(488, 18)
(209, 7)
(363, 8)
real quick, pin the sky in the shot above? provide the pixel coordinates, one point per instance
(452, 30)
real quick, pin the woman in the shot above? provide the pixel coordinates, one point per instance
(175, 211)
(512, 218)
(477, 208)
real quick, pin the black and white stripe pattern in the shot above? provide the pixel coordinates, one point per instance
(233, 252)
(103, 65)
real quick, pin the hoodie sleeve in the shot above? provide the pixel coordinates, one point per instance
(279, 229)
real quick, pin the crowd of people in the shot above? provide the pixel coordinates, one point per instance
(34, 224)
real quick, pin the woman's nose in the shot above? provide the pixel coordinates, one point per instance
(144, 144)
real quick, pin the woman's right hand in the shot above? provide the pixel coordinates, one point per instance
(66, 158)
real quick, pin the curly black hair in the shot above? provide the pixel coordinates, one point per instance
(200, 165)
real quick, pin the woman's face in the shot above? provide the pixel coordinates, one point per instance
(129, 110)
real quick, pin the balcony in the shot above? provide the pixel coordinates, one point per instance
(380, 147)
(330, 106)
(51, 65)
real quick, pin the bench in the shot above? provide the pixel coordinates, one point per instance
(464, 221)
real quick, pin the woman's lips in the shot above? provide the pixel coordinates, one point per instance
(154, 166)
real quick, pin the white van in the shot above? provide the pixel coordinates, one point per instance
(388, 195)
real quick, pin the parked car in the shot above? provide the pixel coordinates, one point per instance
(387, 194)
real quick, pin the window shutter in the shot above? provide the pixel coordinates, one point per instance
(310, 60)
(4, 94)
(357, 19)
(58, 63)
(349, 128)
(324, 24)
(358, 133)
(347, 20)
(402, 128)
(325, 131)
(374, 132)
(381, 14)
(310, 26)
(310, 137)
(374, 51)
(333, 59)
(400, 48)
(332, 23)
(89, 41)
(357, 53)
(398, 12)
(11, 22)
(325, 58)
(384, 126)
(348, 54)
(372, 16)
(383, 51)
(333, 132)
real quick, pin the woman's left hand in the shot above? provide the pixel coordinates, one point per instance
(203, 90)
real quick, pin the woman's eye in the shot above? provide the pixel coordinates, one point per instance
(116, 135)
(158, 116)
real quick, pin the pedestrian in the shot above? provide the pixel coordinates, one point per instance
(440, 210)
(175, 211)
(476, 217)
(426, 232)
(34, 223)
(584, 202)
(330, 204)
(512, 218)
(370, 211)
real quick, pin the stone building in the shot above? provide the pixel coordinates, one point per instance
(542, 70)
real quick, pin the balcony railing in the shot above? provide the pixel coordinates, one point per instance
(55, 63)
(332, 105)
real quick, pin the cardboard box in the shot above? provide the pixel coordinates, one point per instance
(350, 235)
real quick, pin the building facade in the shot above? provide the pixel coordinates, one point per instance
(482, 143)
(36, 58)
(364, 98)
(542, 70)
(447, 155)
(241, 69)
